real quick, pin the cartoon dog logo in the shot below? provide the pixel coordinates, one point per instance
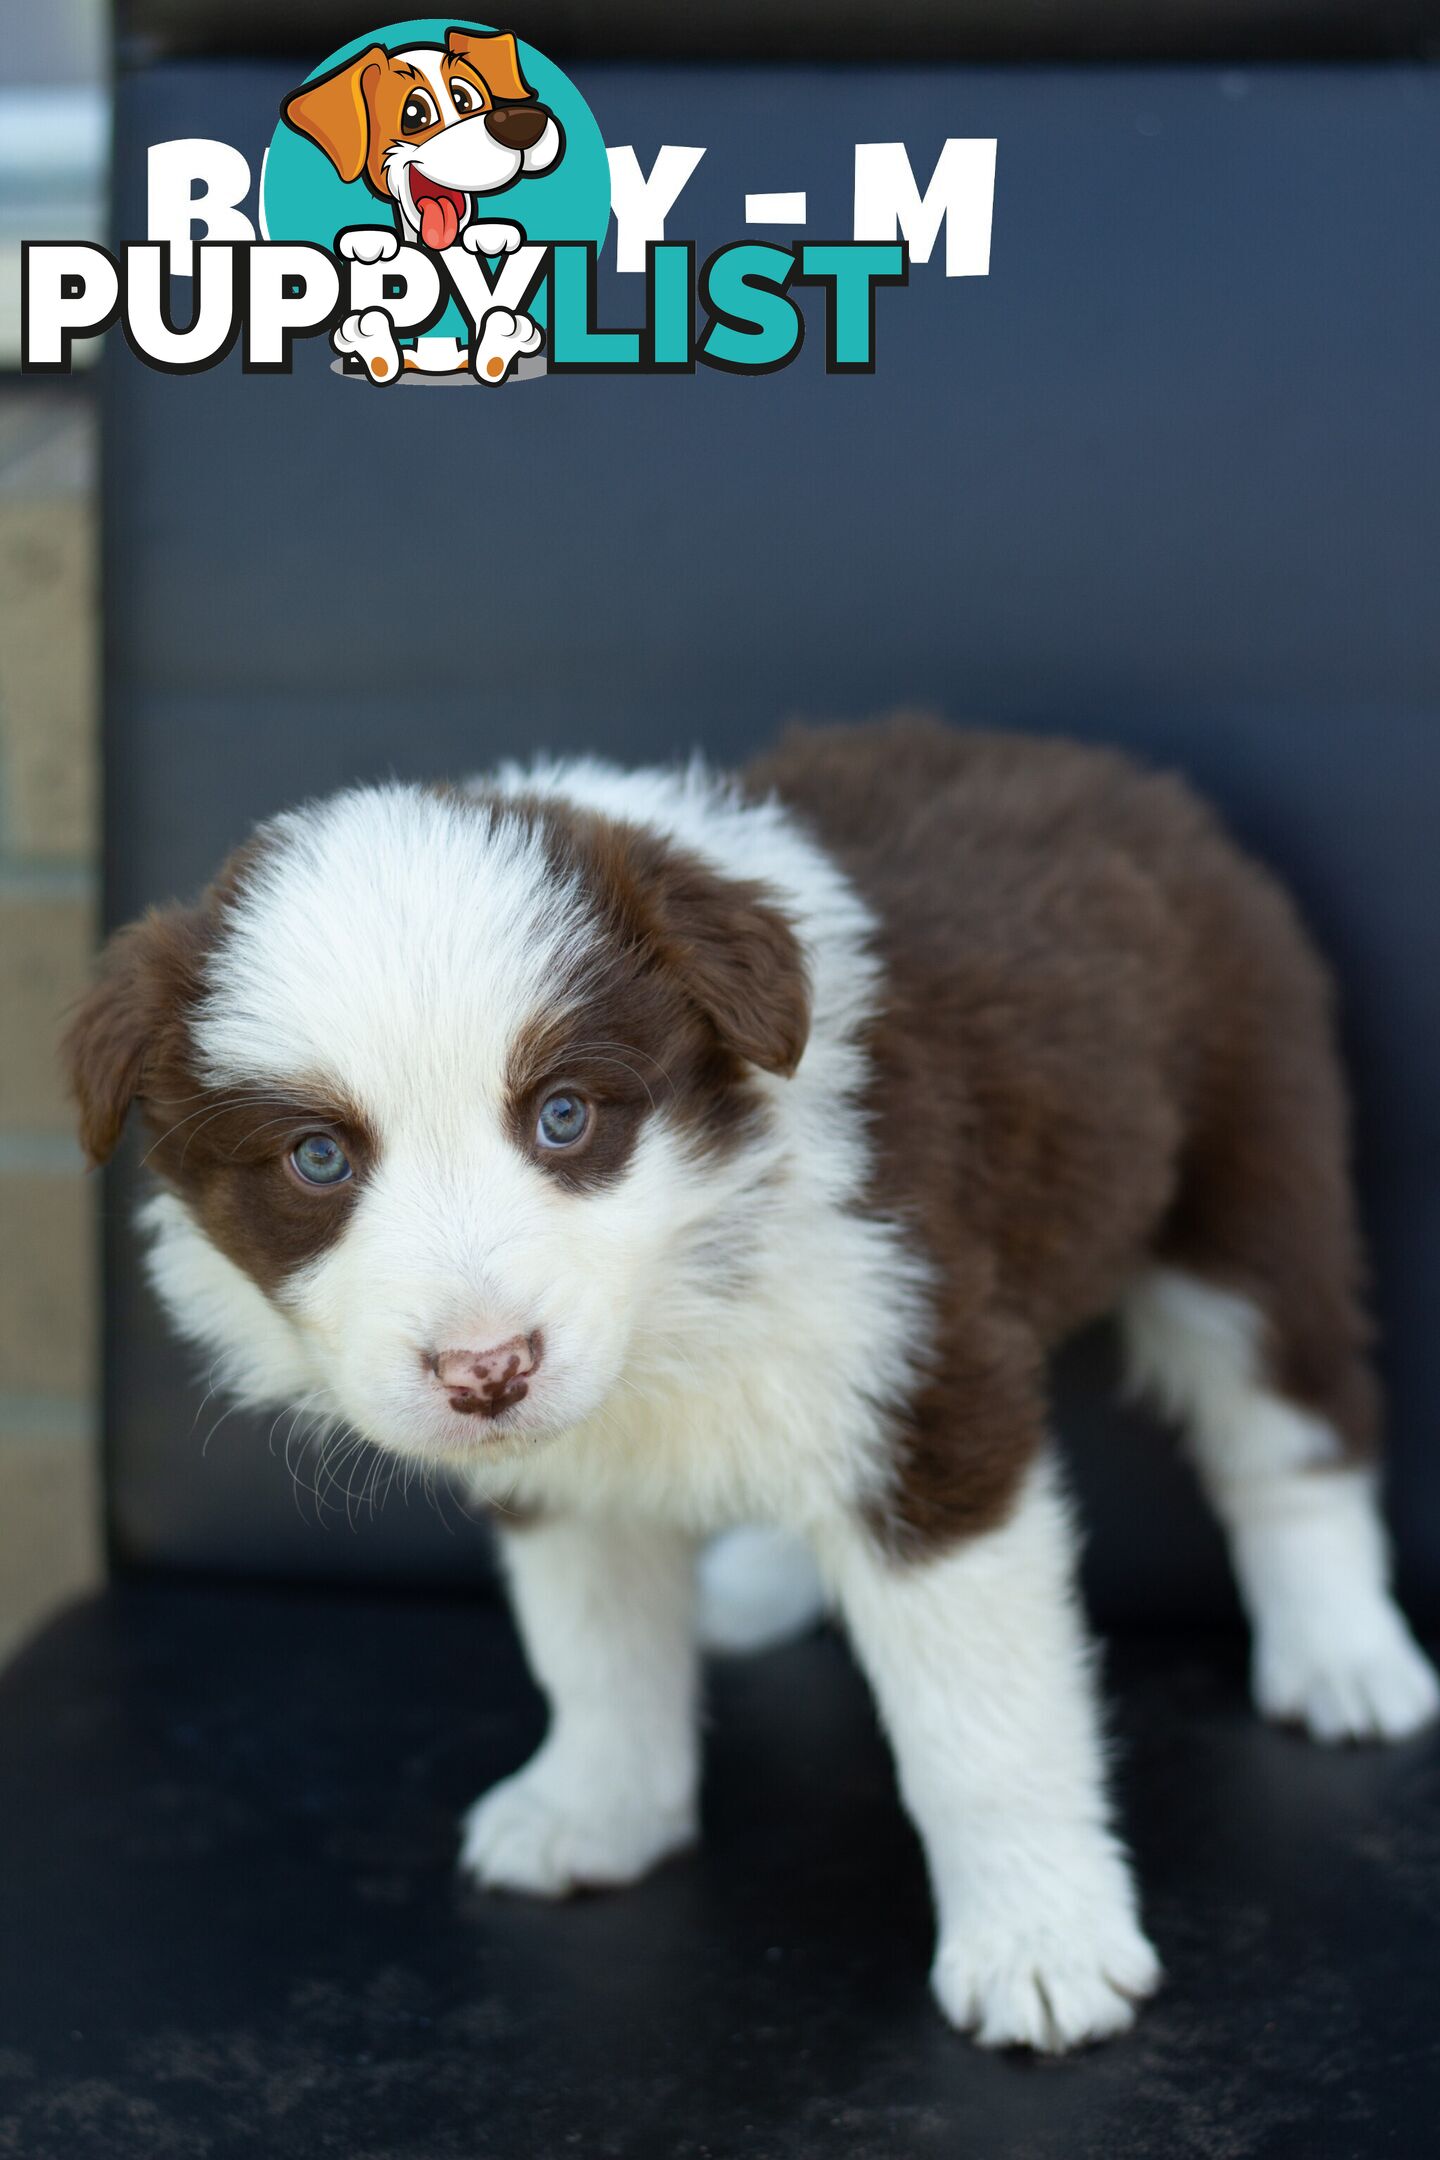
(430, 130)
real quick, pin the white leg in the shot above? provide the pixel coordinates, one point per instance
(983, 1675)
(759, 1587)
(1332, 1650)
(606, 1615)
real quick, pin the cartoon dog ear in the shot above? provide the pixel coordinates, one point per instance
(495, 58)
(335, 111)
(149, 974)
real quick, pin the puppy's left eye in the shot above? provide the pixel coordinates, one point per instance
(463, 99)
(320, 1160)
(563, 1120)
(417, 112)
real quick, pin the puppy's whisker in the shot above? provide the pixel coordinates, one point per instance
(236, 1092)
(593, 1057)
(624, 1049)
(254, 1132)
(210, 1386)
(205, 1443)
(215, 1109)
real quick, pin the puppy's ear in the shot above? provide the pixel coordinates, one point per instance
(335, 111)
(149, 975)
(730, 945)
(495, 59)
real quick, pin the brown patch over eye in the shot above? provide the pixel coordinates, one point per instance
(694, 979)
(578, 1121)
(225, 1150)
(233, 1156)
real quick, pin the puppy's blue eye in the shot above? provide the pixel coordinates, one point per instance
(320, 1160)
(563, 1120)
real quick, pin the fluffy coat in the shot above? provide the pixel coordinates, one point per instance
(890, 1064)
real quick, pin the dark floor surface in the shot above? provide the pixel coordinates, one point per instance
(229, 1922)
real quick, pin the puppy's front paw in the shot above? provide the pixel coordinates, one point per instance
(368, 244)
(522, 1835)
(496, 238)
(1345, 1679)
(1049, 1977)
(504, 338)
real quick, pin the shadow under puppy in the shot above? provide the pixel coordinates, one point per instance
(661, 1153)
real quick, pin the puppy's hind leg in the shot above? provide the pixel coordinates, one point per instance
(1300, 1510)
(759, 1587)
(504, 339)
(367, 339)
(1252, 1331)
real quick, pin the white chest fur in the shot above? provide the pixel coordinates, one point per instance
(777, 1406)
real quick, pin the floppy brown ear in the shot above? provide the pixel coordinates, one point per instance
(148, 975)
(495, 58)
(335, 112)
(737, 956)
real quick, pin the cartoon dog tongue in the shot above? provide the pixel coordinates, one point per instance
(439, 220)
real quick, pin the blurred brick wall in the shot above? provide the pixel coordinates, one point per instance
(49, 650)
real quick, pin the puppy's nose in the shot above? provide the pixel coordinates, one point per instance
(482, 1383)
(518, 127)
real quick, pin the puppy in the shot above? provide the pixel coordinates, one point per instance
(660, 1154)
(428, 130)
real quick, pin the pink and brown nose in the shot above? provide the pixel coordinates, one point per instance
(517, 127)
(482, 1383)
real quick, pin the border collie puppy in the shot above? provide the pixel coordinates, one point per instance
(663, 1153)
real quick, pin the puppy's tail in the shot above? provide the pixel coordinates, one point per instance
(757, 1588)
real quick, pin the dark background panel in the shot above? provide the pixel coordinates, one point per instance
(852, 29)
(1180, 442)
(1165, 477)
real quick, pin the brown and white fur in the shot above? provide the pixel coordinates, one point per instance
(902, 1057)
(429, 130)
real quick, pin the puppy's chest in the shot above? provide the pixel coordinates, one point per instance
(786, 1410)
(745, 1447)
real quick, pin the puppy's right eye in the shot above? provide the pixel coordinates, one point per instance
(563, 1120)
(417, 112)
(320, 1160)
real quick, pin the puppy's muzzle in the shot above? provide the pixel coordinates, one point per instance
(518, 127)
(482, 1383)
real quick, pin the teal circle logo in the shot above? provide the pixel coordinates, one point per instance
(455, 140)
